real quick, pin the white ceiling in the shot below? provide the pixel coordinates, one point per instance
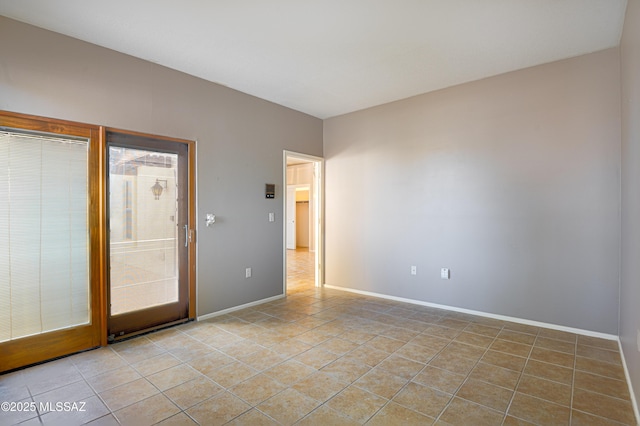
(330, 57)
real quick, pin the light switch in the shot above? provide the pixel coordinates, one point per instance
(445, 274)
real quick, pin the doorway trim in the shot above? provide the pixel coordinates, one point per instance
(318, 214)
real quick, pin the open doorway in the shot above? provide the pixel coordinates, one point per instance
(303, 232)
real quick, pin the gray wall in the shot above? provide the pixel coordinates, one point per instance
(512, 182)
(240, 140)
(630, 277)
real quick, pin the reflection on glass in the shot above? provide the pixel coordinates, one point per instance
(143, 231)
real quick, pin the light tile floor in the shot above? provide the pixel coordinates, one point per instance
(326, 357)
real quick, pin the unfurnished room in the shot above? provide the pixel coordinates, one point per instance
(320, 213)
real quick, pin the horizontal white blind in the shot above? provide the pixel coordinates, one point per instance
(44, 234)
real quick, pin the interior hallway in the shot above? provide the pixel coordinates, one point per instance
(324, 356)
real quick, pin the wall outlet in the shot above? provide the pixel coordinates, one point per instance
(272, 217)
(414, 270)
(638, 340)
(247, 273)
(445, 274)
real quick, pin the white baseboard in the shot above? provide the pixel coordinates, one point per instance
(480, 313)
(632, 394)
(237, 308)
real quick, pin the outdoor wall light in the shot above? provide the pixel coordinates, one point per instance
(157, 188)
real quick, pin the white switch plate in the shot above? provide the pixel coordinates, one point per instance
(445, 274)
(414, 270)
(247, 273)
(272, 217)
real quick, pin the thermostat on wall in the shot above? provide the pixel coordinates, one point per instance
(270, 191)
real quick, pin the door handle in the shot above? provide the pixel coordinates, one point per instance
(186, 235)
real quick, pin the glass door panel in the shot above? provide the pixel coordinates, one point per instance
(50, 273)
(148, 241)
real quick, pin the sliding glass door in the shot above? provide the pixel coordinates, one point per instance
(50, 271)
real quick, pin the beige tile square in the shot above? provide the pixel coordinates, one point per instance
(430, 341)
(218, 410)
(504, 360)
(556, 345)
(579, 418)
(403, 334)
(545, 389)
(345, 370)
(401, 367)
(521, 328)
(113, 378)
(453, 323)
(454, 363)
(611, 345)
(381, 382)
(474, 339)
(512, 348)
(313, 337)
(97, 361)
(417, 353)
(192, 392)
(482, 330)
(558, 335)
(288, 406)
(367, 355)
(357, 336)
(517, 337)
(385, 344)
(324, 415)
(466, 351)
(262, 359)
(232, 374)
(338, 346)
(290, 348)
(173, 376)
(602, 368)
(257, 389)
(210, 362)
(462, 412)
(440, 379)
(600, 354)
(486, 394)
(356, 403)
(495, 375)
(192, 350)
(253, 418)
(316, 358)
(548, 371)
(559, 358)
(440, 331)
(423, 399)
(180, 419)
(320, 386)
(147, 412)
(128, 394)
(601, 384)
(394, 414)
(156, 364)
(241, 348)
(603, 406)
(290, 372)
(538, 411)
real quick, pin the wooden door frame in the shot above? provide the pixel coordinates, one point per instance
(191, 216)
(29, 350)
